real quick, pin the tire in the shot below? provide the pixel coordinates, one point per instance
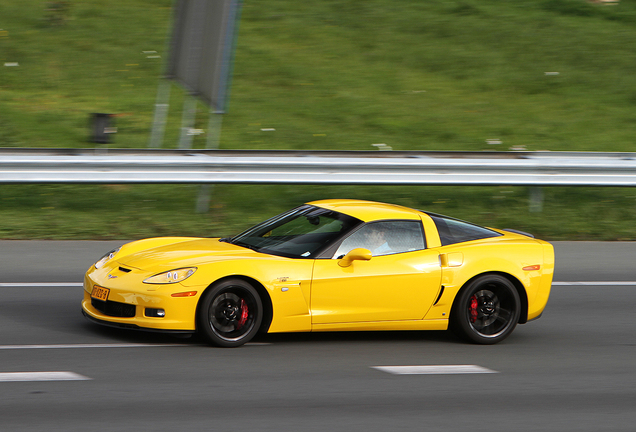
(487, 310)
(230, 313)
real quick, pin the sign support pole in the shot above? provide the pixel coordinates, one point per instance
(161, 113)
(187, 122)
(213, 139)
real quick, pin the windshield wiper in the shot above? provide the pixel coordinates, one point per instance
(226, 239)
(248, 246)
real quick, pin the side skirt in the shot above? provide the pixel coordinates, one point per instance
(434, 324)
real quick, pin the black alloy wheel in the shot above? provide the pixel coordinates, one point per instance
(230, 313)
(487, 310)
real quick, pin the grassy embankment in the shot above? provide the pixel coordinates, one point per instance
(339, 74)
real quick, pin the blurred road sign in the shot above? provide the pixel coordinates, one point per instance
(202, 47)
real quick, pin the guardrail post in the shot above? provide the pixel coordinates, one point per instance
(536, 199)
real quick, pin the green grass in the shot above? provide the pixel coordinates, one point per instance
(332, 74)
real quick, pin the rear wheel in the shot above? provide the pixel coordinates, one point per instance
(230, 313)
(487, 310)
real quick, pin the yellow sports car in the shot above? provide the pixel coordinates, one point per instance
(333, 265)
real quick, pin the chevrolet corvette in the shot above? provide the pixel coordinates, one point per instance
(331, 265)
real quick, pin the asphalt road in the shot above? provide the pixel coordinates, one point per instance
(571, 370)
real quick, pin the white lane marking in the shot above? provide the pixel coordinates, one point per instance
(80, 284)
(434, 370)
(64, 346)
(598, 283)
(128, 345)
(41, 376)
(43, 284)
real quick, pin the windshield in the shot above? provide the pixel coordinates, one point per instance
(299, 233)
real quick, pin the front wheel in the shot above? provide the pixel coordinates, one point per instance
(230, 313)
(487, 310)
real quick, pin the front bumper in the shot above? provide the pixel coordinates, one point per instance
(129, 301)
(130, 326)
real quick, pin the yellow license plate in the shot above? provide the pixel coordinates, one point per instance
(100, 293)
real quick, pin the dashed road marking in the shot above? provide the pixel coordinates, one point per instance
(597, 283)
(434, 370)
(41, 376)
(123, 345)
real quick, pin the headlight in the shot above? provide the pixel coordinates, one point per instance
(103, 260)
(172, 276)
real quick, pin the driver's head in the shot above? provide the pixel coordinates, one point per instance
(375, 236)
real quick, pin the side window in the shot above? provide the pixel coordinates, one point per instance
(453, 231)
(385, 238)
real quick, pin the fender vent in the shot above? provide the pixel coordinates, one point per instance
(441, 291)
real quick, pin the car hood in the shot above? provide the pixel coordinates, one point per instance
(189, 253)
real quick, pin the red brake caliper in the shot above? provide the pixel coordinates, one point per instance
(473, 309)
(244, 314)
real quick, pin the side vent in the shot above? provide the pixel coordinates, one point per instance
(439, 296)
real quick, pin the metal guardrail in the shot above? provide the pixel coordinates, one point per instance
(28, 165)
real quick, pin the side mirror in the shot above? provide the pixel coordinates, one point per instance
(361, 254)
